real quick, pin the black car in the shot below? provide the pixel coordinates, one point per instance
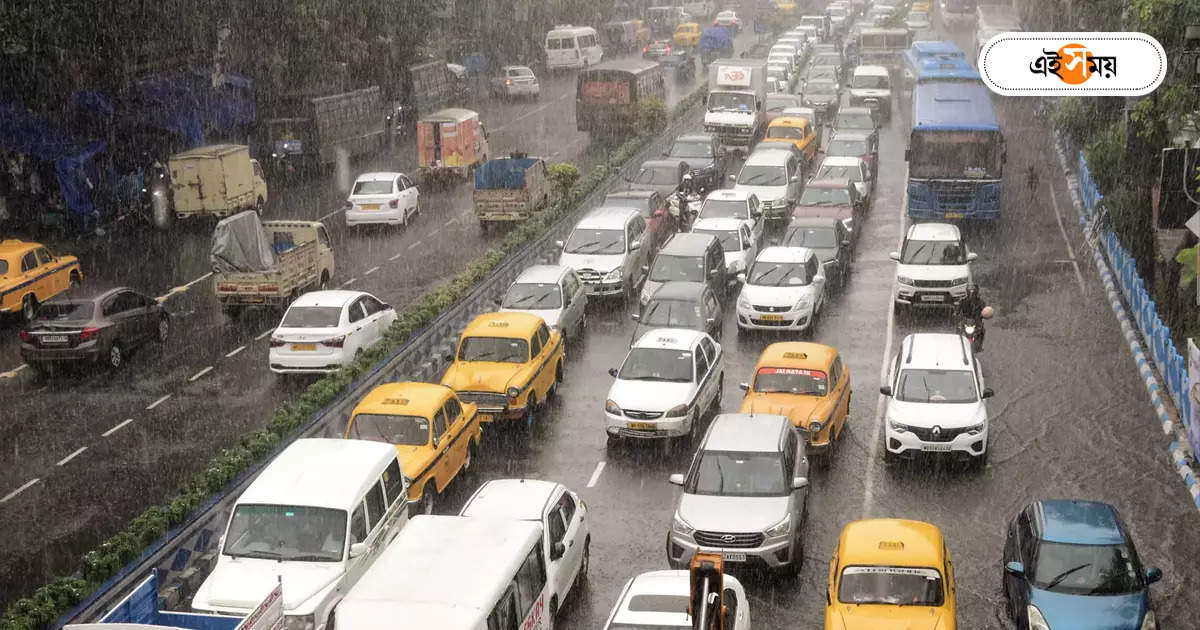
(661, 176)
(94, 327)
(681, 62)
(687, 305)
(829, 240)
(704, 154)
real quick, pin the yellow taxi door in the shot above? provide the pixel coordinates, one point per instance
(841, 393)
(30, 272)
(457, 425)
(442, 470)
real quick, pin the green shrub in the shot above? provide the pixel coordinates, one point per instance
(563, 175)
(1077, 118)
(652, 117)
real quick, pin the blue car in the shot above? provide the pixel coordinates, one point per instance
(1071, 565)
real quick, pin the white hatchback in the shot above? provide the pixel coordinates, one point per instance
(660, 599)
(783, 290)
(382, 198)
(736, 239)
(933, 266)
(323, 331)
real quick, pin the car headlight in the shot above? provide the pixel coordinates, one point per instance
(897, 426)
(613, 275)
(1149, 622)
(802, 304)
(680, 526)
(958, 282)
(975, 429)
(678, 411)
(1036, 620)
(904, 280)
(780, 529)
(299, 622)
(514, 392)
(815, 427)
(849, 223)
(612, 407)
(743, 303)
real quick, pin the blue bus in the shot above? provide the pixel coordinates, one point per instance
(928, 69)
(955, 153)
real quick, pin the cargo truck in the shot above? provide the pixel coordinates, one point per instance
(218, 180)
(510, 189)
(312, 130)
(737, 91)
(141, 609)
(268, 263)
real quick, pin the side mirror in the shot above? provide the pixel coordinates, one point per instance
(559, 244)
(971, 257)
(886, 390)
(557, 550)
(676, 479)
(612, 372)
(756, 213)
(358, 549)
(799, 482)
(646, 268)
(1015, 569)
(907, 154)
(987, 393)
(712, 273)
(666, 153)
(795, 179)
(846, 243)
(744, 386)
(634, 246)
(497, 302)
(449, 358)
(635, 317)
(733, 178)
(894, 256)
(861, 187)
(741, 278)
(1153, 574)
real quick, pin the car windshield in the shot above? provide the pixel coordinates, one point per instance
(658, 176)
(854, 120)
(657, 364)
(724, 209)
(691, 149)
(730, 101)
(730, 240)
(846, 148)
(933, 253)
(75, 311)
(812, 237)
(819, 75)
(790, 381)
(498, 349)
(373, 187)
(520, 72)
(936, 386)
(779, 102)
(827, 59)
(533, 296)
(585, 241)
(671, 314)
(1087, 569)
(785, 132)
(402, 430)
(677, 268)
(312, 317)
(819, 87)
(778, 274)
(762, 175)
(897, 586)
(829, 171)
(286, 532)
(733, 474)
(814, 196)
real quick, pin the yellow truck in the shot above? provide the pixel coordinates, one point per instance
(268, 263)
(218, 180)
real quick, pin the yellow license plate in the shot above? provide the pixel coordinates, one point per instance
(954, 215)
(644, 426)
(486, 417)
(304, 347)
(369, 206)
(772, 318)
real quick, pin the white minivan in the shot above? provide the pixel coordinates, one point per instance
(316, 518)
(572, 47)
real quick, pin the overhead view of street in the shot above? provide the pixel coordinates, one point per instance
(842, 338)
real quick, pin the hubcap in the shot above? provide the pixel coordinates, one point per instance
(114, 356)
(163, 329)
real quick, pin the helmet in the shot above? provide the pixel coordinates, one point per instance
(987, 312)
(687, 177)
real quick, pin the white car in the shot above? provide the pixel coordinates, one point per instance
(515, 81)
(323, 331)
(605, 249)
(851, 168)
(728, 203)
(660, 599)
(382, 198)
(933, 266)
(552, 292)
(772, 175)
(668, 381)
(729, 19)
(936, 400)
(871, 86)
(567, 539)
(736, 239)
(784, 290)
(918, 21)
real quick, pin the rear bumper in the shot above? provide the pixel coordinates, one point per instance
(284, 362)
(384, 216)
(84, 353)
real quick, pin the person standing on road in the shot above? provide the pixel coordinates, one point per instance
(1032, 179)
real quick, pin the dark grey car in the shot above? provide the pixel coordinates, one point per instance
(703, 152)
(661, 176)
(687, 305)
(95, 327)
(828, 239)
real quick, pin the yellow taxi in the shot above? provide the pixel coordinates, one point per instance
(687, 35)
(787, 7)
(508, 364)
(890, 573)
(435, 435)
(797, 130)
(806, 382)
(30, 275)
(642, 32)
(920, 7)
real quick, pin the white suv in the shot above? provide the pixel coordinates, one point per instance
(934, 266)
(605, 249)
(937, 402)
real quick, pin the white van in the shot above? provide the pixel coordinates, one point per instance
(455, 573)
(572, 47)
(316, 517)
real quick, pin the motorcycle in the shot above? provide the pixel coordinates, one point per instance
(973, 329)
(686, 219)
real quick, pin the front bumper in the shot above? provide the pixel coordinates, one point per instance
(795, 320)
(963, 446)
(772, 553)
(604, 288)
(650, 429)
(777, 210)
(732, 136)
(930, 297)
(385, 216)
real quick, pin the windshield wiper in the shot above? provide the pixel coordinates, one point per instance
(264, 554)
(1062, 576)
(575, 250)
(311, 557)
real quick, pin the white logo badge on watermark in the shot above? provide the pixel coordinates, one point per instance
(1080, 64)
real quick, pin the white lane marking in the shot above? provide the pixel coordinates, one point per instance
(415, 245)
(331, 214)
(435, 231)
(349, 282)
(371, 271)
(13, 372)
(158, 402)
(451, 221)
(19, 490)
(1066, 241)
(71, 456)
(116, 428)
(200, 279)
(530, 113)
(264, 334)
(396, 256)
(596, 475)
(197, 375)
(232, 353)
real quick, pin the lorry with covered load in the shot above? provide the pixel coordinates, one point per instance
(510, 189)
(217, 180)
(141, 610)
(737, 92)
(268, 263)
(311, 131)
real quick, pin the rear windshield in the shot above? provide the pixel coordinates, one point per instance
(825, 197)
(312, 317)
(852, 173)
(533, 295)
(404, 430)
(66, 310)
(847, 148)
(374, 187)
(671, 314)
(724, 209)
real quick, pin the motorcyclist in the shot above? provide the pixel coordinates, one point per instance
(681, 210)
(972, 309)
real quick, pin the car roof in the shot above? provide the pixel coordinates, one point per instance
(521, 499)
(86, 294)
(811, 221)
(796, 353)
(669, 339)
(1079, 522)
(320, 472)
(11, 246)
(541, 274)
(632, 194)
(841, 160)
(789, 121)
(746, 432)
(677, 290)
(855, 110)
(516, 67)
(505, 325)
(781, 254)
(934, 232)
(935, 351)
(694, 137)
(663, 583)
(828, 182)
(405, 399)
(891, 541)
(729, 194)
(768, 156)
(332, 297)
(661, 163)
(852, 134)
(687, 244)
(718, 224)
(378, 176)
(607, 217)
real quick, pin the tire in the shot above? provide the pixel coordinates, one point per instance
(232, 312)
(466, 465)
(553, 608)
(890, 459)
(324, 283)
(979, 464)
(529, 420)
(581, 577)
(260, 207)
(29, 307)
(720, 394)
(427, 503)
(685, 442)
(796, 561)
(558, 378)
(75, 281)
(115, 357)
(163, 331)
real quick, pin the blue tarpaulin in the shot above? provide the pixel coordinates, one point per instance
(715, 37)
(503, 173)
(22, 132)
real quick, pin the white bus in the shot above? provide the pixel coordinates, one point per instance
(454, 573)
(572, 47)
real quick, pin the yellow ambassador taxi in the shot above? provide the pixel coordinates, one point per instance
(508, 364)
(806, 382)
(797, 130)
(30, 275)
(891, 574)
(435, 435)
(687, 35)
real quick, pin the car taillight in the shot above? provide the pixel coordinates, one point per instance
(276, 342)
(270, 288)
(88, 333)
(395, 203)
(25, 336)
(508, 82)
(645, 49)
(334, 342)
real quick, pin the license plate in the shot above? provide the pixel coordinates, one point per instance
(486, 417)
(936, 448)
(369, 206)
(304, 347)
(54, 339)
(733, 556)
(771, 318)
(503, 217)
(954, 215)
(933, 298)
(643, 426)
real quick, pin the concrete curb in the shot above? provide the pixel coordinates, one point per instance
(1179, 449)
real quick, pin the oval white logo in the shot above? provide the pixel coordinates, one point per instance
(1080, 64)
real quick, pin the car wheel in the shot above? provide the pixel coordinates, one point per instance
(980, 462)
(75, 281)
(260, 206)
(116, 357)
(553, 608)
(29, 307)
(890, 459)
(164, 329)
(558, 377)
(584, 562)
(426, 504)
(466, 465)
(693, 433)
(324, 281)
(720, 393)
(529, 420)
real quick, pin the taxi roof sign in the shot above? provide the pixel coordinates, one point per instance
(667, 340)
(395, 401)
(498, 323)
(795, 355)
(891, 545)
